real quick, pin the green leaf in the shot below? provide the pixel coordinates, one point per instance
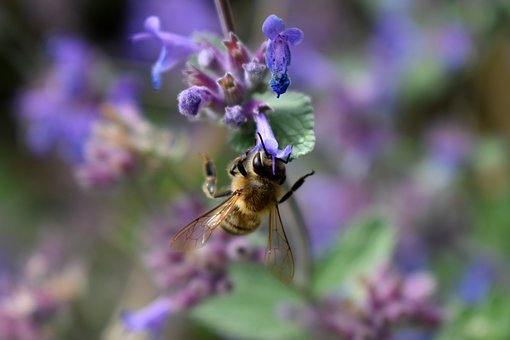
(361, 249)
(251, 310)
(486, 320)
(292, 122)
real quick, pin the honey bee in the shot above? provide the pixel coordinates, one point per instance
(255, 190)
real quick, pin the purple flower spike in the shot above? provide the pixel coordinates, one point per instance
(278, 53)
(174, 48)
(150, 317)
(270, 143)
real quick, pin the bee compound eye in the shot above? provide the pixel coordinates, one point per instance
(257, 162)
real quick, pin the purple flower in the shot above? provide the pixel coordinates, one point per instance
(278, 52)
(234, 116)
(193, 99)
(174, 48)
(476, 281)
(268, 142)
(455, 45)
(150, 317)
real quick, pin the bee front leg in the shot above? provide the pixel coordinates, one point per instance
(209, 186)
(238, 165)
(294, 187)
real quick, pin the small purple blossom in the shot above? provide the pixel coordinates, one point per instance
(149, 318)
(254, 73)
(174, 48)
(193, 99)
(476, 281)
(188, 278)
(278, 55)
(269, 140)
(234, 116)
(389, 301)
(455, 45)
(59, 113)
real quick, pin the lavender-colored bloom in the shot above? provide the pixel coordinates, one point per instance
(254, 73)
(278, 55)
(448, 145)
(149, 318)
(59, 114)
(234, 116)
(454, 45)
(125, 90)
(268, 139)
(188, 278)
(389, 301)
(342, 201)
(476, 281)
(174, 48)
(193, 99)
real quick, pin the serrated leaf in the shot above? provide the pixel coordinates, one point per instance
(291, 120)
(361, 249)
(251, 310)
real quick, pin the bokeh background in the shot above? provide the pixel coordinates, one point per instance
(412, 118)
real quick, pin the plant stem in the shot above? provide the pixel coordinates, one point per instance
(225, 14)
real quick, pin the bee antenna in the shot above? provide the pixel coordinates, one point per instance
(262, 141)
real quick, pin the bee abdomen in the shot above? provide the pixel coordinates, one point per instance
(239, 223)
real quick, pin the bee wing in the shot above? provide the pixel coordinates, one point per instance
(196, 233)
(279, 256)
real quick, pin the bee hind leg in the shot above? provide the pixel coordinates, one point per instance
(294, 187)
(209, 186)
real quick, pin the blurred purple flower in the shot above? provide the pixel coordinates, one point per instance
(193, 99)
(390, 301)
(174, 48)
(180, 16)
(188, 278)
(234, 116)
(42, 286)
(151, 317)
(448, 145)
(58, 115)
(395, 45)
(342, 201)
(476, 281)
(278, 55)
(454, 43)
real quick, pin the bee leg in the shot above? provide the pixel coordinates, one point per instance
(294, 187)
(238, 164)
(209, 186)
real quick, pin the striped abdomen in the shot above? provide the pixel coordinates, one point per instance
(240, 222)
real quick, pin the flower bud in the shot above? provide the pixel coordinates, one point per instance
(232, 92)
(234, 116)
(193, 99)
(254, 73)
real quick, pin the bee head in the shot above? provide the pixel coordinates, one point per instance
(267, 165)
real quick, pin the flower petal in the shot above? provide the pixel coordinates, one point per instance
(283, 154)
(161, 65)
(272, 26)
(234, 116)
(294, 35)
(278, 56)
(152, 24)
(191, 100)
(279, 83)
(174, 47)
(150, 317)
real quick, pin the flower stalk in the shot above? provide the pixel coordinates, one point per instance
(225, 14)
